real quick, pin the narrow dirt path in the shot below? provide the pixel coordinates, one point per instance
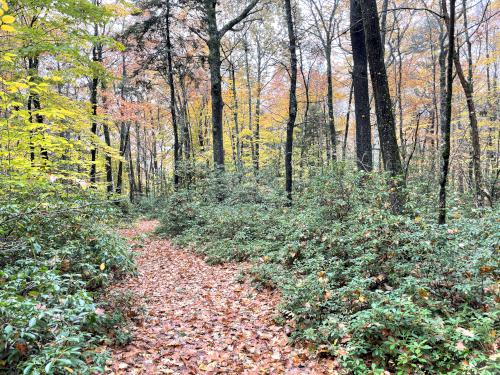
(201, 320)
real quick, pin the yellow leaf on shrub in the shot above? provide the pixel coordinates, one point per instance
(485, 269)
(423, 293)
(102, 267)
(7, 28)
(70, 370)
(8, 19)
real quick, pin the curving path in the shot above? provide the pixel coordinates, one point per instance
(201, 320)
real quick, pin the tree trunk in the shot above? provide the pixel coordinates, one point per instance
(96, 57)
(131, 177)
(383, 105)
(331, 119)
(292, 107)
(109, 160)
(172, 97)
(446, 127)
(256, 134)
(250, 102)
(468, 88)
(124, 137)
(138, 157)
(214, 62)
(360, 87)
(347, 118)
(237, 141)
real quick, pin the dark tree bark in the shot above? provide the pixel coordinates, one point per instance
(214, 61)
(124, 131)
(347, 119)
(360, 87)
(131, 177)
(171, 85)
(34, 104)
(383, 105)
(109, 161)
(96, 58)
(446, 126)
(292, 106)
(138, 157)
(124, 139)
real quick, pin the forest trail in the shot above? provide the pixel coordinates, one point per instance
(200, 319)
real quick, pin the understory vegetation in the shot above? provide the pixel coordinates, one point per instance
(56, 254)
(379, 291)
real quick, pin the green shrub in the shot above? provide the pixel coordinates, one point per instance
(381, 292)
(53, 261)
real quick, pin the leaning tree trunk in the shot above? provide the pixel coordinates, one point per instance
(383, 105)
(360, 87)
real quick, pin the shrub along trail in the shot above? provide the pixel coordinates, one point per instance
(201, 319)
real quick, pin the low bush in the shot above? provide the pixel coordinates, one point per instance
(54, 260)
(381, 292)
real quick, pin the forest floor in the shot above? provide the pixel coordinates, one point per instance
(202, 319)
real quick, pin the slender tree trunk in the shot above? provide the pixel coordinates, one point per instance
(360, 88)
(292, 108)
(383, 24)
(305, 118)
(124, 130)
(171, 85)
(124, 138)
(237, 142)
(331, 119)
(250, 102)
(131, 177)
(109, 160)
(468, 88)
(256, 134)
(138, 157)
(34, 104)
(347, 118)
(96, 57)
(383, 104)
(446, 128)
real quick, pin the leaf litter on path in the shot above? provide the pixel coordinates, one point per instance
(201, 320)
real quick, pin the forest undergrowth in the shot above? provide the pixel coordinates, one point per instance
(58, 252)
(380, 292)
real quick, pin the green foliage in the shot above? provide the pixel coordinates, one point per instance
(54, 256)
(379, 291)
